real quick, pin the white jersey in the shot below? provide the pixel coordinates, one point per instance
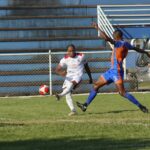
(74, 65)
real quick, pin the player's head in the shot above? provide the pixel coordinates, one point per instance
(71, 50)
(118, 34)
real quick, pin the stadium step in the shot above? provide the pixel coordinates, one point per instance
(49, 39)
(42, 72)
(24, 73)
(58, 82)
(53, 50)
(50, 44)
(22, 7)
(46, 17)
(47, 2)
(49, 21)
(46, 28)
(67, 28)
(8, 33)
(80, 32)
(46, 60)
(67, 31)
(20, 84)
(44, 10)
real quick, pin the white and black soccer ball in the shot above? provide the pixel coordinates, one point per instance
(43, 90)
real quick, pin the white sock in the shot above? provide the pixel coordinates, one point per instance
(70, 102)
(67, 89)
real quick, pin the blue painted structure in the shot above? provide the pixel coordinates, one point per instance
(51, 35)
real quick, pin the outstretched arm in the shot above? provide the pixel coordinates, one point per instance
(87, 69)
(60, 71)
(103, 34)
(141, 51)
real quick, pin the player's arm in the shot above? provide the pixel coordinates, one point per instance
(59, 70)
(103, 34)
(141, 51)
(87, 69)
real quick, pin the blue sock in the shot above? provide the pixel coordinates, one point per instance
(92, 95)
(132, 99)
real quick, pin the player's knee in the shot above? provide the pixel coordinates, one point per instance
(96, 86)
(99, 84)
(122, 93)
(74, 83)
(68, 96)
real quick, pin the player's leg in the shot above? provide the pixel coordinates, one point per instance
(130, 97)
(76, 82)
(69, 102)
(67, 87)
(98, 84)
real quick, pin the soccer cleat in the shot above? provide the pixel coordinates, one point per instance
(81, 106)
(72, 113)
(57, 97)
(143, 109)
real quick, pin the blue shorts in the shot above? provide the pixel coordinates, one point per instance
(113, 75)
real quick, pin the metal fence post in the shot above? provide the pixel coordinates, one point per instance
(125, 69)
(50, 73)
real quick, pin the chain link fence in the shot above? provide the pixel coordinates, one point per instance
(22, 74)
(138, 68)
(99, 62)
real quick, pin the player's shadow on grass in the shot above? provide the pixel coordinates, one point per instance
(11, 124)
(114, 112)
(75, 144)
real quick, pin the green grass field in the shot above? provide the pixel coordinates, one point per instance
(41, 123)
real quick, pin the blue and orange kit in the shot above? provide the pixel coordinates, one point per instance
(120, 51)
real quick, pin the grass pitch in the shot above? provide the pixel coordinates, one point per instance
(41, 123)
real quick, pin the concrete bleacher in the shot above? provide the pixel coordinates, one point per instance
(40, 25)
(43, 25)
(37, 25)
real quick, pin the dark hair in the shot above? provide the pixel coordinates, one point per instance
(118, 32)
(71, 45)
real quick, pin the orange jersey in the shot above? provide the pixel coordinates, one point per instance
(119, 53)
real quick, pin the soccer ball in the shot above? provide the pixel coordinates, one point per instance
(43, 90)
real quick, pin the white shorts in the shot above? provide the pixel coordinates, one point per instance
(68, 80)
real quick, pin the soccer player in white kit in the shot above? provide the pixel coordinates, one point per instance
(75, 63)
